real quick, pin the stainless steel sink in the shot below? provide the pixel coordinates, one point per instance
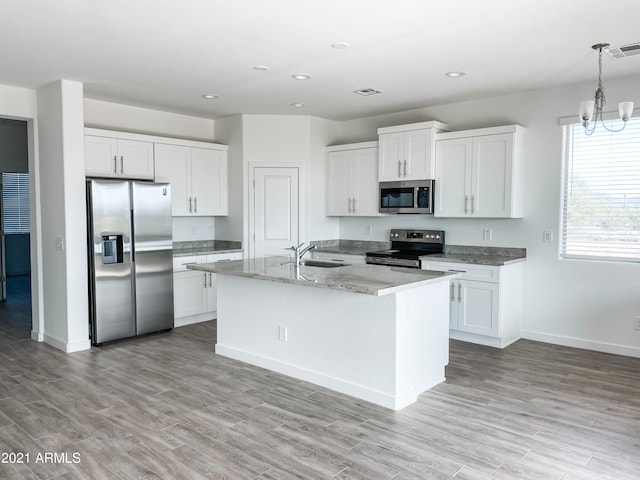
(320, 263)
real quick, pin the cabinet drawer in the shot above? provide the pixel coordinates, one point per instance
(483, 273)
(223, 257)
(180, 263)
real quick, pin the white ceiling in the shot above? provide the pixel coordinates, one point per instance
(165, 54)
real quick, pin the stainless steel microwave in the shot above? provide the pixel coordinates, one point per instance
(406, 197)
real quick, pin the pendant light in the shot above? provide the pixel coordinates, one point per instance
(591, 110)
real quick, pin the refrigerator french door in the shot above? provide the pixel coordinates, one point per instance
(130, 259)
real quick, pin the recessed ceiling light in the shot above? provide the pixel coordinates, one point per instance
(340, 45)
(301, 76)
(261, 68)
(455, 74)
(210, 96)
(367, 91)
(298, 105)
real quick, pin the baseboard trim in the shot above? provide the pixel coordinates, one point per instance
(191, 319)
(37, 336)
(359, 391)
(67, 347)
(582, 343)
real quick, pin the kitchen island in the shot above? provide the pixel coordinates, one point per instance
(377, 333)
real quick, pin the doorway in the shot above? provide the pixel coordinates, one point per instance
(15, 237)
(274, 217)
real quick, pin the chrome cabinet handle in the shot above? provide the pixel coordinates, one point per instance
(466, 204)
(354, 205)
(405, 168)
(399, 168)
(453, 291)
(191, 209)
(195, 204)
(473, 200)
(205, 280)
(115, 164)
(459, 292)
(210, 280)
(121, 164)
(350, 199)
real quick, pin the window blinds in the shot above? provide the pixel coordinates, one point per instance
(15, 202)
(601, 193)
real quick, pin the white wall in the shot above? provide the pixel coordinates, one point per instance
(585, 304)
(115, 116)
(60, 114)
(229, 132)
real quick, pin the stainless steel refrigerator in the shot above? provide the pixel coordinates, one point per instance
(130, 259)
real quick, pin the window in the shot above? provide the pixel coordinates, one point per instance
(601, 193)
(15, 202)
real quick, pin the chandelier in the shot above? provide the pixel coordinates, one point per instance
(591, 110)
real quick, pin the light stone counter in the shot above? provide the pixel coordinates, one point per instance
(367, 279)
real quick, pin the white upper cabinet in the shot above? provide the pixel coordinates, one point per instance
(118, 157)
(406, 151)
(198, 177)
(479, 173)
(352, 180)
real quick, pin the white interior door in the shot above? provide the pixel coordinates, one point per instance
(274, 224)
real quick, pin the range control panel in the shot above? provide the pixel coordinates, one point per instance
(418, 236)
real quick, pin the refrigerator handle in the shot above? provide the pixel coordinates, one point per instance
(133, 236)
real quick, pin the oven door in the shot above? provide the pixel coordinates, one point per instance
(406, 197)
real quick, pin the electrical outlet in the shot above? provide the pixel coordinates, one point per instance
(60, 244)
(487, 234)
(368, 230)
(547, 236)
(193, 230)
(282, 333)
(211, 228)
(636, 322)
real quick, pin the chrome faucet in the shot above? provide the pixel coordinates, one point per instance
(300, 253)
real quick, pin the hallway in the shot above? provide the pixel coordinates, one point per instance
(15, 311)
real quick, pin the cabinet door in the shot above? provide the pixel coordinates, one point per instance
(209, 182)
(364, 182)
(211, 292)
(172, 164)
(453, 177)
(418, 161)
(390, 156)
(478, 308)
(100, 156)
(491, 177)
(338, 196)
(189, 293)
(135, 159)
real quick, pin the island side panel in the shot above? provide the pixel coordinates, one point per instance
(348, 342)
(422, 339)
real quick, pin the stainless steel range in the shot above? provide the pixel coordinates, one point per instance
(407, 246)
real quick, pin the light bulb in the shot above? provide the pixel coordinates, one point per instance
(625, 109)
(586, 111)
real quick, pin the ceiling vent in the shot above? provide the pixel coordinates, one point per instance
(365, 92)
(624, 51)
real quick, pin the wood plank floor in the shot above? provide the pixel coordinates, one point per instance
(165, 406)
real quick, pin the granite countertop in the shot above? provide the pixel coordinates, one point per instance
(490, 256)
(205, 247)
(349, 247)
(367, 279)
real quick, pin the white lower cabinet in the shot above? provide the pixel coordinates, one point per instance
(194, 292)
(485, 302)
